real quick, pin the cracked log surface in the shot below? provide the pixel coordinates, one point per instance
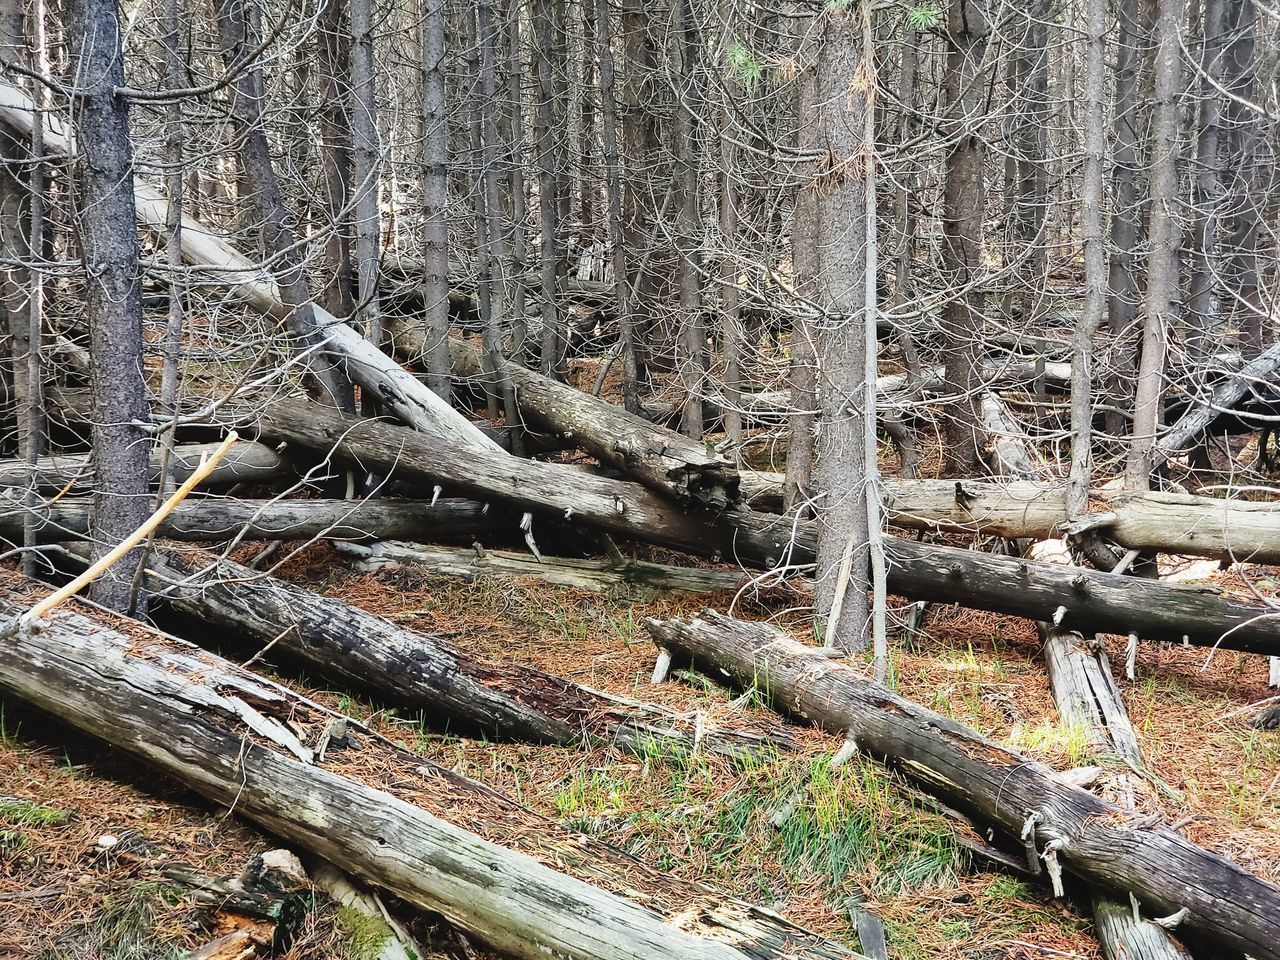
(1099, 841)
(524, 885)
(353, 646)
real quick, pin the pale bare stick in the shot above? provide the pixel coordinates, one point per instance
(207, 463)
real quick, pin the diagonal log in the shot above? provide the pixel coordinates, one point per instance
(525, 886)
(1078, 599)
(413, 669)
(1098, 841)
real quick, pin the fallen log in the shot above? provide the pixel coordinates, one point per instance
(1077, 599)
(525, 886)
(244, 463)
(1072, 829)
(216, 519)
(598, 576)
(1089, 601)
(1201, 415)
(413, 669)
(661, 459)
(1174, 523)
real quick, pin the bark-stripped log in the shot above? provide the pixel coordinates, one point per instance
(353, 646)
(1096, 840)
(244, 463)
(598, 576)
(448, 520)
(525, 886)
(1167, 522)
(1091, 601)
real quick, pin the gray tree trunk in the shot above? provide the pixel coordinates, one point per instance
(691, 341)
(435, 201)
(1203, 294)
(841, 581)
(109, 245)
(335, 158)
(367, 168)
(962, 221)
(1162, 264)
(554, 341)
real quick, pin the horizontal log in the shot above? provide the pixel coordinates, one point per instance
(1175, 523)
(244, 463)
(417, 670)
(1099, 841)
(1090, 601)
(523, 885)
(215, 519)
(598, 576)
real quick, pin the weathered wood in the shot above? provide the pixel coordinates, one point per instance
(1096, 840)
(1078, 599)
(1093, 601)
(1260, 370)
(244, 463)
(598, 576)
(448, 520)
(661, 459)
(1175, 523)
(525, 886)
(415, 669)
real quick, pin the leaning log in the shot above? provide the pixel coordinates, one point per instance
(212, 520)
(618, 575)
(244, 463)
(525, 886)
(1078, 599)
(414, 669)
(661, 459)
(1099, 841)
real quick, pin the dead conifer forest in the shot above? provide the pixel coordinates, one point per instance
(611, 480)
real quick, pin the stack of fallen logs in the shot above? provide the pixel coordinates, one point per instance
(532, 888)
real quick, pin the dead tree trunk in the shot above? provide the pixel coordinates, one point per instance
(413, 669)
(109, 247)
(661, 459)
(1092, 601)
(1072, 829)
(435, 202)
(245, 463)
(531, 889)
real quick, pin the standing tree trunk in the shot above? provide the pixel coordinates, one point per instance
(963, 207)
(335, 159)
(1126, 221)
(554, 340)
(692, 338)
(730, 308)
(435, 200)
(844, 96)
(1201, 303)
(364, 141)
(613, 190)
(109, 247)
(1162, 264)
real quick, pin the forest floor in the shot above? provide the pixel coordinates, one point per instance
(855, 832)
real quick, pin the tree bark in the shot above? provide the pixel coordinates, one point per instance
(244, 463)
(109, 247)
(335, 158)
(1098, 841)
(367, 168)
(529, 889)
(435, 202)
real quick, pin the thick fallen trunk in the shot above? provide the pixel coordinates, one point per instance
(598, 576)
(244, 463)
(1078, 599)
(525, 886)
(449, 520)
(412, 669)
(1096, 840)
(661, 459)
(1091, 601)
(1167, 522)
